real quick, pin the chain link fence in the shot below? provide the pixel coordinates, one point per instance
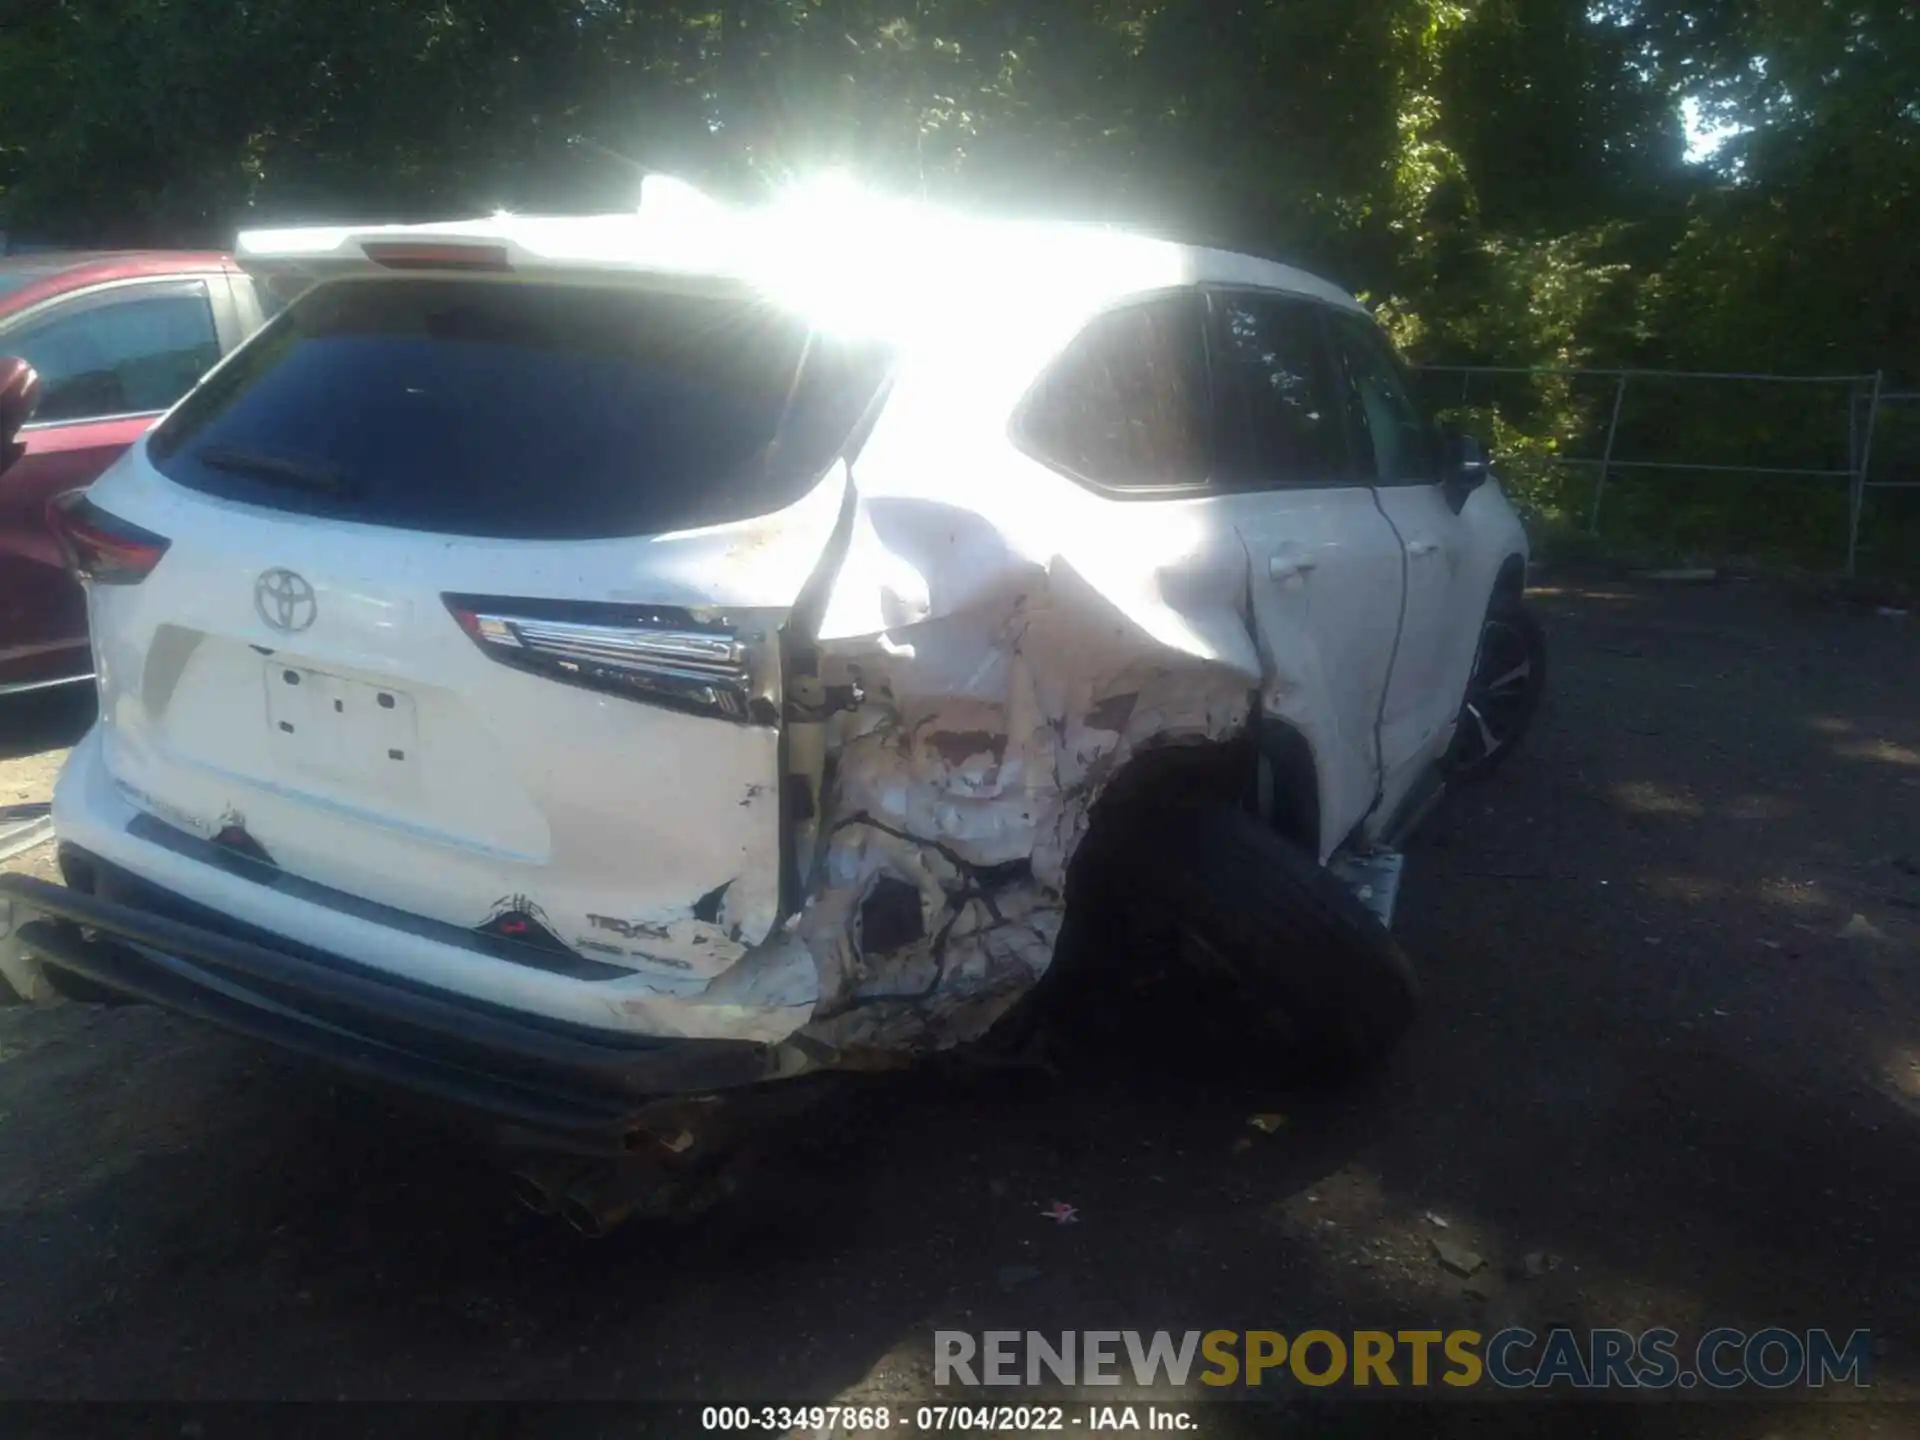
(1702, 461)
(1886, 515)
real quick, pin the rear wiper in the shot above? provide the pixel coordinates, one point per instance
(277, 468)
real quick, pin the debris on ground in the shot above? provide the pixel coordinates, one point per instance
(1268, 1123)
(1436, 1221)
(1890, 612)
(1861, 928)
(1241, 1145)
(1061, 1213)
(1536, 1263)
(1455, 1257)
(22, 827)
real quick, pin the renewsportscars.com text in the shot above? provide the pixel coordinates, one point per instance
(1511, 1359)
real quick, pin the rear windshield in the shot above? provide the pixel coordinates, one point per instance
(521, 410)
(19, 274)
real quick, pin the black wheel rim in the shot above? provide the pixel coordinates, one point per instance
(1498, 694)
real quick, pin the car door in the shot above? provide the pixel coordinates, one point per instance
(1325, 566)
(1397, 448)
(110, 360)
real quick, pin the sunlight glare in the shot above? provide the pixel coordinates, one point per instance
(858, 262)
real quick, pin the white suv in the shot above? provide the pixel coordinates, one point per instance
(558, 664)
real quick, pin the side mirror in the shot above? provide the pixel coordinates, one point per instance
(19, 395)
(1463, 468)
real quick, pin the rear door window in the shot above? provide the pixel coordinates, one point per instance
(127, 350)
(1125, 406)
(522, 409)
(1279, 416)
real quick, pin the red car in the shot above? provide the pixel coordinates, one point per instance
(116, 339)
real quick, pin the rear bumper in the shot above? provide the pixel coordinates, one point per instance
(277, 908)
(541, 1077)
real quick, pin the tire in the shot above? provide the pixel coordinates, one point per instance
(1504, 692)
(1227, 913)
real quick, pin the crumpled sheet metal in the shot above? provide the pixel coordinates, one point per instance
(979, 806)
(970, 772)
(1015, 654)
(976, 802)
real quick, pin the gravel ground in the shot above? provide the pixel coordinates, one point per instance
(1658, 1048)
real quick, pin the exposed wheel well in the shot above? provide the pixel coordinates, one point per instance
(1273, 775)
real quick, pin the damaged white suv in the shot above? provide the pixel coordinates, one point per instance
(565, 665)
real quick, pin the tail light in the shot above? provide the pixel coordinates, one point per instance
(725, 665)
(102, 547)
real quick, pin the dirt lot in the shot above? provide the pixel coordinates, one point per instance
(1649, 1051)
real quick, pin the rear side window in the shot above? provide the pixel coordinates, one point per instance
(521, 410)
(1125, 407)
(129, 350)
(1280, 423)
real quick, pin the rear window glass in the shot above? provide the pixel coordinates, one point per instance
(19, 274)
(1125, 406)
(521, 410)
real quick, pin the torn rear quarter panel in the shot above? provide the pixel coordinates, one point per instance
(1012, 655)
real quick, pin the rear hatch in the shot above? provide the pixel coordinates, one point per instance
(470, 601)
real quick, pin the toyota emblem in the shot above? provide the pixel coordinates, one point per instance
(284, 600)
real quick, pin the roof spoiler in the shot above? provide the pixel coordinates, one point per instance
(675, 227)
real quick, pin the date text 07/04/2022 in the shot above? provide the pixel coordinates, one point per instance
(979, 1419)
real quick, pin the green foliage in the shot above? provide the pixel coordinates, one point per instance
(1506, 177)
